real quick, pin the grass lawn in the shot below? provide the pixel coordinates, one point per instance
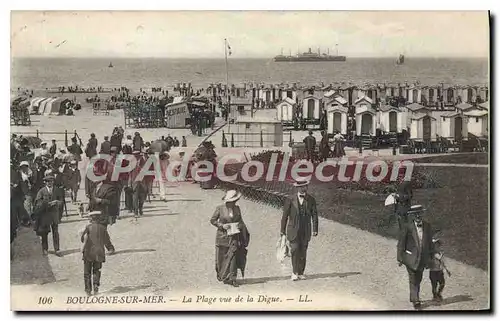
(461, 158)
(457, 204)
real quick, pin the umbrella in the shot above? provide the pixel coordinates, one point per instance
(390, 200)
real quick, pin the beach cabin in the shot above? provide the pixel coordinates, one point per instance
(239, 107)
(463, 107)
(454, 125)
(450, 95)
(430, 95)
(414, 94)
(256, 132)
(485, 105)
(239, 91)
(423, 127)
(285, 111)
(366, 117)
(177, 114)
(268, 94)
(469, 94)
(346, 92)
(311, 107)
(337, 118)
(288, 93)
(391, 91)
(366, 91)
(477, 122)
(390, 119)
(483, 93)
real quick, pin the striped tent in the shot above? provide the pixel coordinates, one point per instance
(35, 104)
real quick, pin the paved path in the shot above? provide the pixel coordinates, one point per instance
(451, 165)
(170, 252)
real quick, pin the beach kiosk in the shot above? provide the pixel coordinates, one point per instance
(255, 132)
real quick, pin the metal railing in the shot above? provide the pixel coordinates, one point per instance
(47, 136)
(261, 139)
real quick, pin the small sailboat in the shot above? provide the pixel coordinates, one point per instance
(110, 65)
(401, 60)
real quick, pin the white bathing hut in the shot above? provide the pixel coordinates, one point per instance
(365, 116)
(477, 122)
(423, 127)
(285, 110)
(390, 119)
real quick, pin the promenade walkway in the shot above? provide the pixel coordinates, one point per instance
(170, 252)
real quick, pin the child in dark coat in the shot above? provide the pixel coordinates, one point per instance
(436, 269)
(95, 238)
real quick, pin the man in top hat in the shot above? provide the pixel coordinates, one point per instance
(310, 142)
(415, 250)
(48, 213)
(299, 217)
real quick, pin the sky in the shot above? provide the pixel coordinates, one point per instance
(259, 34)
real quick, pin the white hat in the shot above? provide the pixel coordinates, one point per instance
(231, 196)
(95, 213)
(24, 163)
(73, 162)
(301, 182)
(416, 209)
(43, 143)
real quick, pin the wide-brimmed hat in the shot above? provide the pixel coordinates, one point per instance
(301, 182)
(43, 143)
(231, 196)
(416, 209)
(49, 177)
(24, 163)
(95, 213)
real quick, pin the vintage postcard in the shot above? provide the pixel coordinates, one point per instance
(249, 160)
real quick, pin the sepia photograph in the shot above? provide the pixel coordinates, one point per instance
(250, 161)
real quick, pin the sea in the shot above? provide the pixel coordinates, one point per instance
(41, 73)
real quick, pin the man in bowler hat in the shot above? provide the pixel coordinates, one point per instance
(48, 213)
(415, 250)
(299, 211)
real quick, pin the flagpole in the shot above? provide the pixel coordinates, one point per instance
(227, 80)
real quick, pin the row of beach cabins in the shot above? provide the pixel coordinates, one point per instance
(425, 112)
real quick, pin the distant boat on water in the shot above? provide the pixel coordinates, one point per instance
(401, 60)
(309, 57)
(110, 65)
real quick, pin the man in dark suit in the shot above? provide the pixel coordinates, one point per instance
(105, 146)
(298, 213)
(415, 250)
(48, 212)
(310, 145)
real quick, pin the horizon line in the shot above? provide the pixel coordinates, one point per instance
(234, 58)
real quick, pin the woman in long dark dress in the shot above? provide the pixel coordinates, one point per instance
(230, 250)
